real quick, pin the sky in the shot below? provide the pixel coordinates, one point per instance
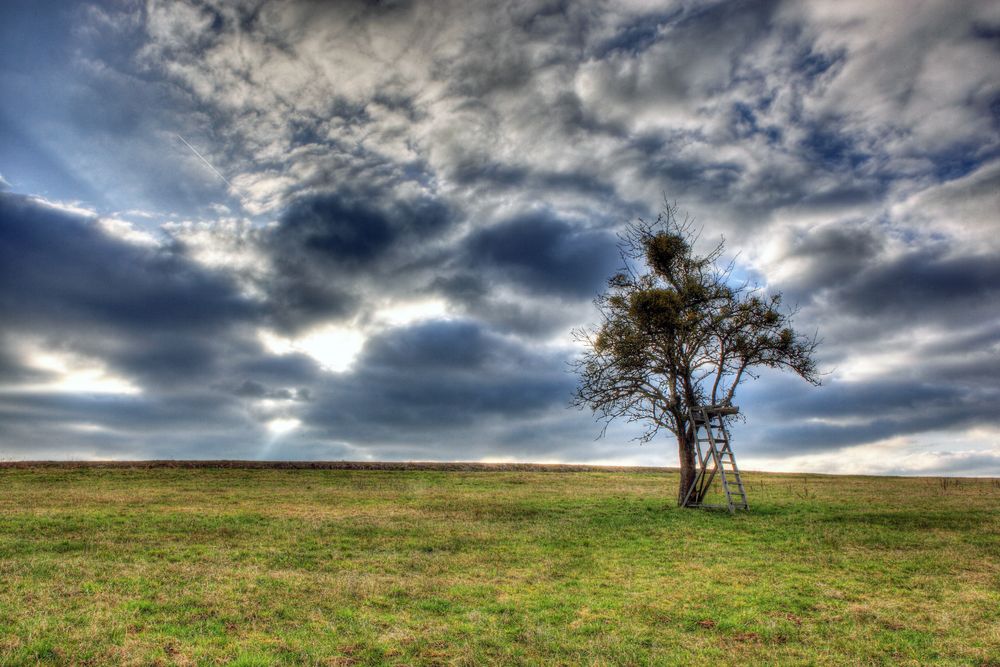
(366, 230)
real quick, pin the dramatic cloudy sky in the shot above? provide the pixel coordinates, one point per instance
(364, 230)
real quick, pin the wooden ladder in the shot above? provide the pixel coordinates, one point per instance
(715, 456)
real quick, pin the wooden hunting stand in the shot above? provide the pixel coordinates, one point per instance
(711, 440)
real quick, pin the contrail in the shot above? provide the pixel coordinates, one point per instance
(207, 163)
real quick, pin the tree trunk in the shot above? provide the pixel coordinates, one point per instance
(685, 447)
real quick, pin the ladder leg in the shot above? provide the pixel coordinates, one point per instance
(699, 470)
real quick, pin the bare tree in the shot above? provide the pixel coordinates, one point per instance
(677, 332)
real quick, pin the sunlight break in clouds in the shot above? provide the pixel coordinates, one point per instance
(283, 425)
(333, 347)
(70, 374)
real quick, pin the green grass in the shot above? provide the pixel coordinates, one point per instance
(340, 567)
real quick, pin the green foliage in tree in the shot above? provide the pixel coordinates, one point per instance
(677, 332)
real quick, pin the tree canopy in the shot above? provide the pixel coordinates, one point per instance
(677, 331)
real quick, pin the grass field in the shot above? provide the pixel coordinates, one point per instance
(343, 567)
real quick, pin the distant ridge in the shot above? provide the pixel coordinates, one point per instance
(459, 466)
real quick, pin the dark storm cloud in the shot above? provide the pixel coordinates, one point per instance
(831, 257)
(58, 426)
(848, 414)
(498, 177)
(192, 411)
(542, 253)
(859, 289)
(530, 274)
(432, 377)
(57, 266)
(932, 283)
(12, 368)
(168, 327)
(285, 370)
(923, 318)
(254, 389)
(346, 233)
(154, 313)
(324, 242)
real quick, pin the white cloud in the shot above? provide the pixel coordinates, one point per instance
(911, 73)
(127, 231)
(406, 313)
(965, 208)
(73, 208)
